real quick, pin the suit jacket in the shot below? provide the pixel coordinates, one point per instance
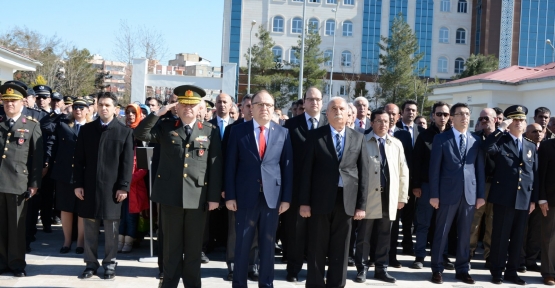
(546, 166)
(103, 164)
(416, 129)
(321, 170)
(227, 130)
(190, 171)
(246, 174)
(298, 130)
(514, 181)
(21, 162)
(366, 123)
(214, 121)
(450, 178)
(398, 176)
(405, 138)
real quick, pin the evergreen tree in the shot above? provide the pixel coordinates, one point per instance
(313, 74)
(478, 64)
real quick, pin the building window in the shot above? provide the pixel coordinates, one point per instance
(298, 0)
(328, 55)
(349, 2)
(331, 1)
(297, 25)
(462, 7)
(278, 24)
(347, 28)
(278, 53)
(342, 90)
(459, 65)
(313, 1)
(442, 65)
(313, 24)
(293, 58)
(461, 36)
(330, 27)
(346, 59)
(445, 5)
(443, 35)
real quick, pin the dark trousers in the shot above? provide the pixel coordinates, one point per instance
(507, 236)
(12, 232)
(329, 236)
(531, 244)
(295, 228)
(407, 219)
(182, 245)
(394, 239)
(548, 243)
(160, 240)
(46, 202)
(444, 219)
(265, 219)
(382, 229)
(230, 251)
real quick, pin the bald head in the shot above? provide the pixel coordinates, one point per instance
(535, 132)
(393, 111)
(487, 120)
(223, 105)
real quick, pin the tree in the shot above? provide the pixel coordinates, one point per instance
(478, 64)
(79, 73)
(398, 62)
(313, 74)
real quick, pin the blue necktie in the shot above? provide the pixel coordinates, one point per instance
(462, 147)
(222, 129)
(338, 146)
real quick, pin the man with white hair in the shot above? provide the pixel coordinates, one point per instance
(362, 120)
(352, 114)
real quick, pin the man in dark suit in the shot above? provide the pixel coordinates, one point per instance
(546, 166)
(20, 176)
(193, 147)
(258, 184)
(457, 181)
(362, 105)
(513, 193)
(295, 226)
(332, 192)
(103, 163)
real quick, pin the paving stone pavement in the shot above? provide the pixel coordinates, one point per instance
(46, 267)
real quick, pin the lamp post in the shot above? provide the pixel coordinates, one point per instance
(300, 92)
(333, 48)
(552, 47)
(250, 58)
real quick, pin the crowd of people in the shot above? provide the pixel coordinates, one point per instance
(334, 186)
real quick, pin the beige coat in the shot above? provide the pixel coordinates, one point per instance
(398, 175)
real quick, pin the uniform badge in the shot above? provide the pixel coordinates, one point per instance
(202, 139)
(529, 154)
(20, 141)
(23, 120)
(200, 152)
(199, 125)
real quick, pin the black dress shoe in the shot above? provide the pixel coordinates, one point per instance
(291, 278)
(384, 276)
(465, 277)
(534, 268)
(47, 229)
(88, 273)
(203, 258)
(253, 276)
(515, 279)
(19, 273)
(361, 277)
(79, 250)
(395, 263)
(230, 276)
(521, 269)
(437, 278)
(418, 263)
(5, 270)
(351, 262)
(109, 274)
(161, 275)
(370, 263)
(497, 280)
(56, 221)
(64, 250)
(448, 265)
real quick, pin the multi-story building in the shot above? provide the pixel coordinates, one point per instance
(514, 30)
(441, 27)
(119, 74)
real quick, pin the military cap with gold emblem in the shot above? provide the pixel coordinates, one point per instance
(189, 94)
(516, 112)
(209, 104)
(89, 100)
(80, 101)
(43, 91)
(11, 91)
(68, 100)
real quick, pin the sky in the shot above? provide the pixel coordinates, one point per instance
(187, 26)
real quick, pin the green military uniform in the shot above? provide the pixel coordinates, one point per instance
(189, 176)
(21, 164)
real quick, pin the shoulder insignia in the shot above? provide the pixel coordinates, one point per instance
(53, 114)
(529, 140)
(31, 118)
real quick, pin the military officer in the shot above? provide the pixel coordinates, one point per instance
(34, 113)
(513, 192)
(20, 176)
(193, 148)
(43, 97)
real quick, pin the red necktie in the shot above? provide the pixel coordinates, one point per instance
(261, 142)
(360, 122)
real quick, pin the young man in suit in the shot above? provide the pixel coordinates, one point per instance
(513, 193)
(295, 226)
(457, 181)
(258, 184)
(193, 147)
(332, 192)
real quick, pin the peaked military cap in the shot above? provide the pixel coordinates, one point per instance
(516, 112)
(189, 94)
(31, 92)
(42, 91)
(80, 101)
(209, 104)
(11, 91)
(57, 96)
(68, 100)
(18, 83)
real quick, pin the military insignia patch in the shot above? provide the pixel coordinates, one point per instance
(20, 141)
(202, 139)
(529, 154)
(200, 152)
(23, 120)
(199, 125)
(519, 109)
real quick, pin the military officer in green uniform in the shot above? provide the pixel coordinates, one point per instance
(20, 176)
(188, 181)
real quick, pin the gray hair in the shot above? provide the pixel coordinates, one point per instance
(359, 99)
(332, 99)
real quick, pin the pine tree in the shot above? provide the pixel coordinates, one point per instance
(313, 74)
(478, 64)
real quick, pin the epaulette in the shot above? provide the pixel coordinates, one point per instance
(53, 114)
(33, 108)
(32, 119)
(208, 124)
(529, 140)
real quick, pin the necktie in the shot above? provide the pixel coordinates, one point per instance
(313, 121)
(383, 181)
(104, 127)
(77, 127)
(188, 130)
(517, 143)
(261, 142)
(360, 123)
(462, 147)
(222, 128)
(338, 146)
(390, 132)
(11, 122)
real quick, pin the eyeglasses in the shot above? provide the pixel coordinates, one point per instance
(79, 107)
(263, 105)
(464, 114)
(439, 114)
(483, 118)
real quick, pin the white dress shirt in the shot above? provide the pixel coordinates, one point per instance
(458, 139)
(309, 123)
(257, 133)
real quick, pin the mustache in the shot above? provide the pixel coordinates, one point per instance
(338, 116)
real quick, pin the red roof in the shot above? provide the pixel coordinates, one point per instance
(511, 75)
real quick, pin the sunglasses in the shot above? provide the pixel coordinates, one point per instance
(439, 114)
(483, 118)
(79, 107)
